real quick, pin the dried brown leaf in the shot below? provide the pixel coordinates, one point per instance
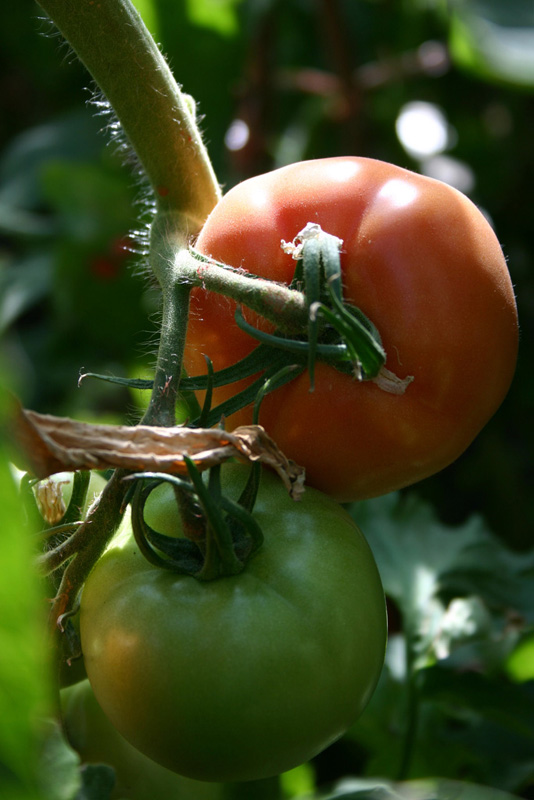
(51, 444)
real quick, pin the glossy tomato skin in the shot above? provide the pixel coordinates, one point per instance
(424, 265)
(246, 676)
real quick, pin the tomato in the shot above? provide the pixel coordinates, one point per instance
(246, 676)
(421, 261)
(92, 735)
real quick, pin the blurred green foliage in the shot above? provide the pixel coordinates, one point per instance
(25, 698)
(278, 81)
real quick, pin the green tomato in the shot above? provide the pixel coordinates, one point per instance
(246, 676)
(137, 777)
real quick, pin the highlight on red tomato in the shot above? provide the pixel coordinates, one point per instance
(423, 263)
(247, 676)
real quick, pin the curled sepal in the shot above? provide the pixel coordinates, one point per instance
(177, 554)
(312, 274)
(297, 347)
(332, 322)
(279, 378)
(220, 556)
(226, 535)
(248, 395)
(320, 254)
(206, 406)
(247, 534)
(80, 489)
(364, 349)
(58, 530)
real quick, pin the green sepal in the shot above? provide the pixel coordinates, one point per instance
(231, 535)
(298, 347)
(184, 556)
(130, 383)
(247, 396)
(220, 558)
(283, 376)
(324, 295)
(181, 555)
(312, 280)
(247, 535)
(206, 406)
(80, 487)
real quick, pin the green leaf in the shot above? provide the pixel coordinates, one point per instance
(98, 781)
(444, 579)
(520, 664)
(25, 694)
(298, 782)
(59, 773)
(457, 588)
(413, 551)
(494, 39)
(22, 285)
(219, 15)
(92, 203)
(67, 137)
(505, 707)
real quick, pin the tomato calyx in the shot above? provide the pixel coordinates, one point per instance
(337, 333)
(219, 534)
(327, 329)
(319, 270)
(312, 322)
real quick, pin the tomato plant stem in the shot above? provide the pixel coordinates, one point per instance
(162, 407)
(167, 235)
(87, 544)
(284, 307)
(114, 44)
(412, 709)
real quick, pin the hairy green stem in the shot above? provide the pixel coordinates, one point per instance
(162, 407)
(412, 708)
(166, 237)
(286, 308)
(115, 46)
(87, 545)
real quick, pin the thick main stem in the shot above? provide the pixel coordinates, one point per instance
(162, 407)
(113, 43)
(166, 237)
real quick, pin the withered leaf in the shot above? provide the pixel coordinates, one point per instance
(48, 444)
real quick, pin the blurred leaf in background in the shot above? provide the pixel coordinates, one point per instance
(462, 606)
(25, 675)
(494, 39)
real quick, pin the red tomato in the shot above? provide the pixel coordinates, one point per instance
(424, 265)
